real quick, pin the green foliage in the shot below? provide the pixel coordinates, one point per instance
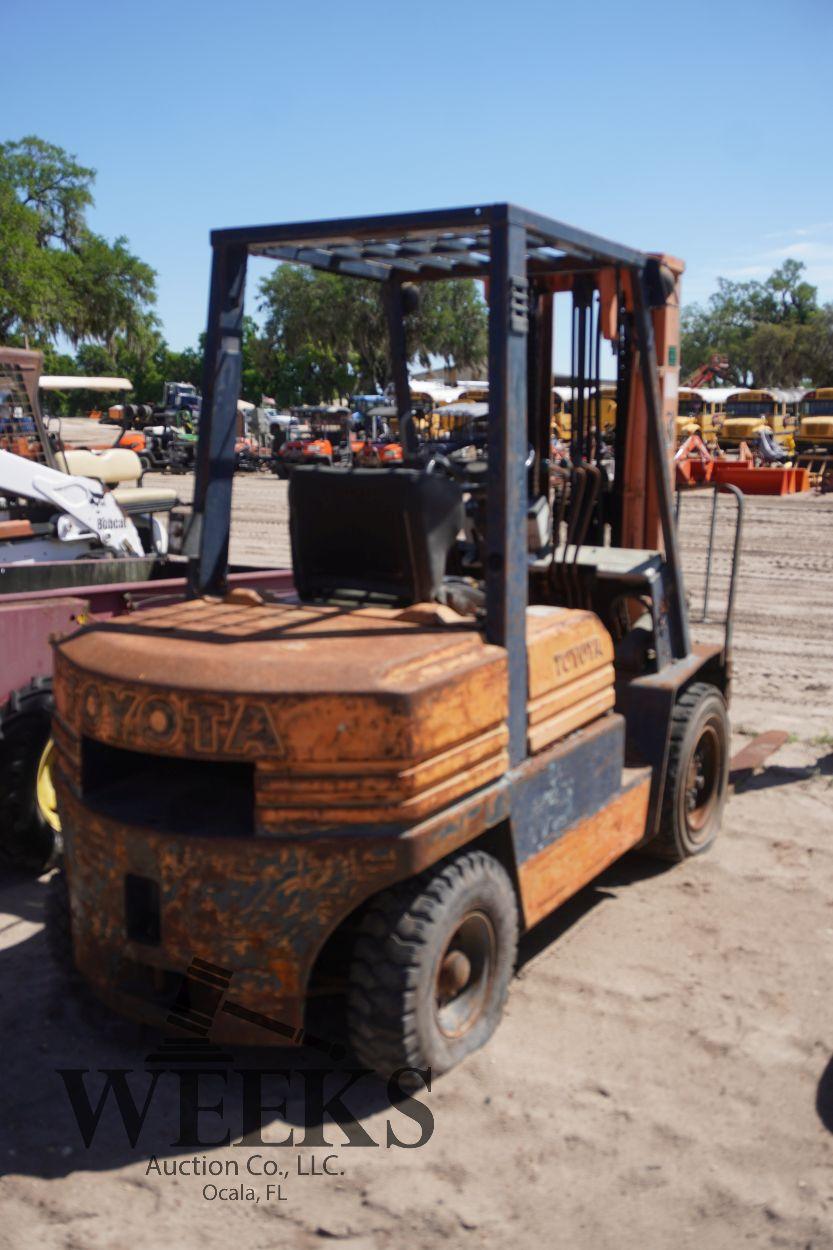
(27, 294)
(58, 278)
(110, 294)
(325, 335)
(51, 184)
(773, 333)
(453, 324)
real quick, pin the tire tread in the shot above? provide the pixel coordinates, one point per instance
(384, 977)
(664, 845)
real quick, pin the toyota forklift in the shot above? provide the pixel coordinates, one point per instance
(481, 692)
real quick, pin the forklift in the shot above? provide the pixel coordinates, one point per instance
(365, 790)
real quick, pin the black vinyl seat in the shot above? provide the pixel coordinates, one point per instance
(371, 534)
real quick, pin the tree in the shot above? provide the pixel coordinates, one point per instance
(51, 183)
(453, 324)
(110, 293)
(56, 276)
(795, 299)
(817, 348)
(773, 354)
(325, 335)
(772, 332)
(333, 326)
(28, 300)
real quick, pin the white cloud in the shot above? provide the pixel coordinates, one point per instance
(817, 255)
(746, 271)
(819, 227)
(811, 244)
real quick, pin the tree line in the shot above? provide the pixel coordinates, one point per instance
(90, 304)
(772, 333)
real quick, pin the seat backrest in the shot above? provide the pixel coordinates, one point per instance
(110, 466)
(380, 533)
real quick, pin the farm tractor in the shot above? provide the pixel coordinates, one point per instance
(357, 796)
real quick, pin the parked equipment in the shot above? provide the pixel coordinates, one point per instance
(702, 407)
(167, 447)
(164, 438)
(52, 382)
(321, 435)
(181, 397)
(367, 790)
(705, 375)
(77, 542)
(180, 404)
(372, 442)
(815, 426)
(83, 515)
(748, 411)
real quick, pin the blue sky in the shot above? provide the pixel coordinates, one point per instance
(701, 129)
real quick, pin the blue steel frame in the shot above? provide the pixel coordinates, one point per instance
(498, 242)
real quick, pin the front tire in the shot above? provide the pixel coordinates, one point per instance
(29, 829)
(431, 966)
(697, 778)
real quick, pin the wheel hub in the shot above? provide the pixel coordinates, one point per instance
(464, 974)
(455, 973)
(702, 781)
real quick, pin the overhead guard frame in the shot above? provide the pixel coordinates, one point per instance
(501, 243)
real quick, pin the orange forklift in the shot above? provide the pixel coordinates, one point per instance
(367, 789)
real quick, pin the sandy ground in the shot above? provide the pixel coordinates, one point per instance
(663, 1075)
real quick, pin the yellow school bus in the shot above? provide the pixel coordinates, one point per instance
(472, 392)
(562, 408)
(703, 407)
(815, 419)
(748, 410)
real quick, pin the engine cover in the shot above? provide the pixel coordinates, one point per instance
(346, 717)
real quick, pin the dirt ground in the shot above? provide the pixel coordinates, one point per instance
(663, 1075)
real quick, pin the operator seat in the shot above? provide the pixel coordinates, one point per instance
(371, 534)
(113, 467)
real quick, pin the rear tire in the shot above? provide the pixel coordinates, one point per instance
(697, 779)
(431, 966)
(27, 840)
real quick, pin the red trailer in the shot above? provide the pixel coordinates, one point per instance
(29, 623)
